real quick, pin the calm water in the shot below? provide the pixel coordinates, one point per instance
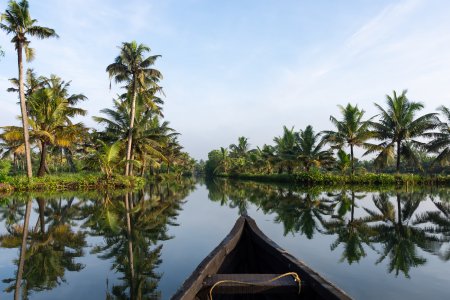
(391, 244)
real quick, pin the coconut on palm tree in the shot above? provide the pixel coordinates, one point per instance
(351, 130)
(134, 69)
(399, 129)
(16, 20)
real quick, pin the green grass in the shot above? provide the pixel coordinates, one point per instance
(336, 179)
(68, 181)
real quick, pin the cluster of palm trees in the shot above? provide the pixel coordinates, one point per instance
(398, 136)
(135, 137)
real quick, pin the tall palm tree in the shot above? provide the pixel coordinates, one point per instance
(310, 149)
(16, 20)
(398, 126)
(441, 142)
(350, 131)
(133, 69)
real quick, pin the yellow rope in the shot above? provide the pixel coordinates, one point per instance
(262, 283)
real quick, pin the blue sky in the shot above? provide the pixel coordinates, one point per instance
(235, 68)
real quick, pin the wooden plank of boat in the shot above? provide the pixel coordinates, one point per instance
(247, 250)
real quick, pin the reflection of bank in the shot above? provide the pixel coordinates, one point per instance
(390, 225)
(353, 233)
(45, 255)
(399, 231)
(132, 226)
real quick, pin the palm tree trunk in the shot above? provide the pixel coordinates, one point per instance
(352, 160)
(130, 132)
(42, 166)
(398, 155)
(23, 109)
(23, 249)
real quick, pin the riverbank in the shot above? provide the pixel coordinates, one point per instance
(330, 179)
(69, 181)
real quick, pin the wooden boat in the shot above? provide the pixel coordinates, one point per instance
(248, 265)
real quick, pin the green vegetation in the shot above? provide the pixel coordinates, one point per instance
(135, 141)
(68, 181)
(409, 148)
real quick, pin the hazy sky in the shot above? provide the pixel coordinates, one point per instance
(234, 68)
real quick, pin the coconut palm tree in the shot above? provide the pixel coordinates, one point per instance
(133, 69)
(106, 157)
(51, 109)
(32, 83)
(351, 131)
(241, 148)
(286, 148)
(310, 150)
(441, 142)
(16, 20)
(224, 160)
(398, 125)
(343, 161)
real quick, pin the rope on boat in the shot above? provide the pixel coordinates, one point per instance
(262, 283)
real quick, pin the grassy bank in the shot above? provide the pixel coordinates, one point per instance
(311, 178)
(69, 181)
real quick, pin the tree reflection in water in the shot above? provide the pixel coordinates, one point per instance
(132, 226)
(394, 229)
(45, 253)
(353, 233)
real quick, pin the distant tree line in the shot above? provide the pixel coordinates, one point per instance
(399, 138)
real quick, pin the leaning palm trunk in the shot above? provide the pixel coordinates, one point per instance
(23, 250)
(23, 108)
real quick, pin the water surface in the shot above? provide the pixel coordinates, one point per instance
(374, 244)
